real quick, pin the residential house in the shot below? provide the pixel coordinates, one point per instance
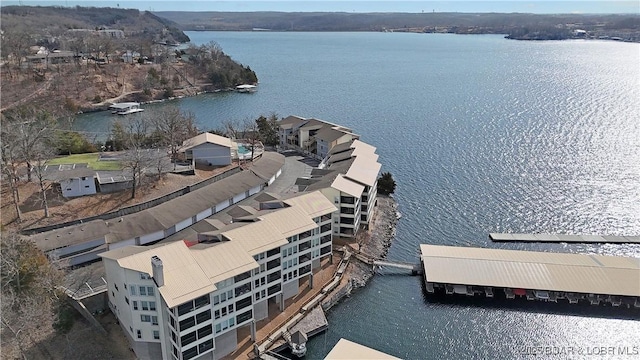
(208, 148)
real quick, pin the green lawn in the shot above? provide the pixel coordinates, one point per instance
(91, 159)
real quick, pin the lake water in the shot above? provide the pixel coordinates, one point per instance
(482, 135)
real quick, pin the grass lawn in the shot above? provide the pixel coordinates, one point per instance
(91, 159)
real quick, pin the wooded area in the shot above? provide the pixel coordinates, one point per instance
(517, 25)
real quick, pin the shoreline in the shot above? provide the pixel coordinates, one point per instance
(375, 243)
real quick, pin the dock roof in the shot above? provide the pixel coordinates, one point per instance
(582, 273)
(348, 350)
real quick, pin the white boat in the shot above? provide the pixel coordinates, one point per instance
(246, 88)
(125, 108)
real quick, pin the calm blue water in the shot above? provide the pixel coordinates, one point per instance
(482, 135)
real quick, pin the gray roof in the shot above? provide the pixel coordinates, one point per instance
(71, 235)
(340, 147)
(331, 134)
(70, 174)
(268, 164)
(183, 207)
(340, 156)
(133, 225)
(266, 196)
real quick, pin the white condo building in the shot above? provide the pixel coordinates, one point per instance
(348, 176)
(190, 301)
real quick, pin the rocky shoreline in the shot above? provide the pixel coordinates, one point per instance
(374, 243)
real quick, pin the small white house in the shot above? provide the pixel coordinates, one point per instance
(208, 148)
(77, 182)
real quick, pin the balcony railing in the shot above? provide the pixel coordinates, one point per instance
(304, 258)
(347, 210)
(304, 246)
(347, 199)
(325, 239)
(325, 228)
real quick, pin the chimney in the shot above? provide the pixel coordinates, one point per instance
(158, 274)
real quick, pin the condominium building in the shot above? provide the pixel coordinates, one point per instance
(312, 136)
(347, 176)
(196, 300)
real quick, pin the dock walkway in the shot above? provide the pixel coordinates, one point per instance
(505, 237)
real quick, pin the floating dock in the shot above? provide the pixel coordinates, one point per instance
(535, 275)
(504, 237)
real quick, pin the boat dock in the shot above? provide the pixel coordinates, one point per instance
(532, 275)
(505, 237)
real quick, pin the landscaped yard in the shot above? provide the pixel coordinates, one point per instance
(91, 159)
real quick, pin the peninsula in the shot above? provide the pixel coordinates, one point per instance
(83, 59)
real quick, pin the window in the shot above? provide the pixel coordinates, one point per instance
(191, 353)
(205, 331)
(145, 305)
(156, 334)
(188, 339)
(152, 305)
(139, 334)
(133, 289)
(145, 318)
(150, 291)
(187, 323)
(154, 320)
(143, 290)
(216, 300)
(218, 328)
(203, 316)
(200, 302)
(217, 314)
(144, 276)
(135, 305)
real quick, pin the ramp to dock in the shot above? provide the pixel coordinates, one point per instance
(505, 237)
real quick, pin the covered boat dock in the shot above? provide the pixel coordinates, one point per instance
(507, 237)
(535, 275)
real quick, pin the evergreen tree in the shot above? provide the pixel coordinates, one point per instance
(386, 184)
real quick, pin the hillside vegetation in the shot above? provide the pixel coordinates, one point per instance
(518, 25)
(86, 58)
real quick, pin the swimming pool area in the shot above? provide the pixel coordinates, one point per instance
(242, 149)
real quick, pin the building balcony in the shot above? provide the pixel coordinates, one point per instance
(347, 200)
(325, 228)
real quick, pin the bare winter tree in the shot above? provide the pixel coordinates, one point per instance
(136, 158)
(43, 152)
(10, 162)
(31, 127)
(173, 127)
(30, 294)
(251, 134)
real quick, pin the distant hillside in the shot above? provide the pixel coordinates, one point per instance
(80, 59)
(518, 25)
(50, 22)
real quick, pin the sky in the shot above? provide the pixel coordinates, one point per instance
(412, 6)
